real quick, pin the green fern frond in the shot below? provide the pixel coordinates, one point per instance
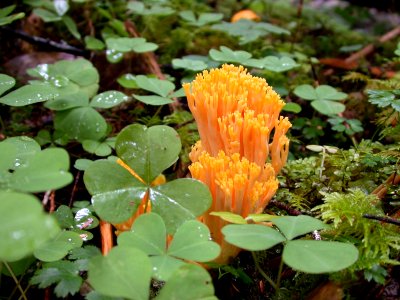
(355, 76)
(386, 84)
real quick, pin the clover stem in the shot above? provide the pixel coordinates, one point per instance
(15, 280)
(278, 280)
(267, 278)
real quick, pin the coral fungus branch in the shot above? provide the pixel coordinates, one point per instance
(242, 143)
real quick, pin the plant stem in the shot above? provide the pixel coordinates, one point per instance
(278, 280)
(322, 163)
(27, 288)
(354, 141)
(157, 111)
(259, 269)
(15, 280)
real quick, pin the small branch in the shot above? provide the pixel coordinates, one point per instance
(383, 219)
(106, 237)
(71, 198)
(370, 48)
(61, 47)
(49, 196)
(300, 8)
(52, 207)
(46, 197)
(291, 211)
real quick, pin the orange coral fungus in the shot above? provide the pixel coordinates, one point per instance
(245, 14)
(242, 142)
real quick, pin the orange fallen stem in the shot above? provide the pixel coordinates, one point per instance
(106, 237)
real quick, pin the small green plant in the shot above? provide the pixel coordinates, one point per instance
(249, 31)
(324, 98)
(376, 242)
(142, 254)
(6, 17)
(305, 255)
(348, 126)
(117, 192)
(270, 63)
(163, 90)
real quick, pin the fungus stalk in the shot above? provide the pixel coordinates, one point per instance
(242, 147)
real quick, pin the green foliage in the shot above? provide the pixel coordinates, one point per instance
(325, 256)
(202, 19)
(148, 151)
(323, 98)
(6, 17)
(238, 219)
(239, 57)
(158, 9)
(92, 43)
(397, 51)
(249, 31)
(66, 87)
(187, 283)
(194, 63)
(124, 44)
(189, 64)
(365, 167)
(349, 126)
(163, 89)
(124, 272)
(6, 83)
(375, 241)
(64, 274)
(271, 63)
(55, 12)
(26, 168)
(184, 124)
(29, 94)
(58, 247)
(376, 273)
(142, 253)
(252, 236)
(385, 98)
(24, 225)
(279, 64)
(308, 256)
(191, 242)
(311, 128)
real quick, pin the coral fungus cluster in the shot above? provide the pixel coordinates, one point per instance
(242, 143)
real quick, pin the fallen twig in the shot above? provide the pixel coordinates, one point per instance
(71, 198)
(370, 48)
(106, 237)
(383, 219)
(291, 211)
(62, 46)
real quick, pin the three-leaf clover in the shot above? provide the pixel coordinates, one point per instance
(310, 256)
(324, 98)
(145, 152)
